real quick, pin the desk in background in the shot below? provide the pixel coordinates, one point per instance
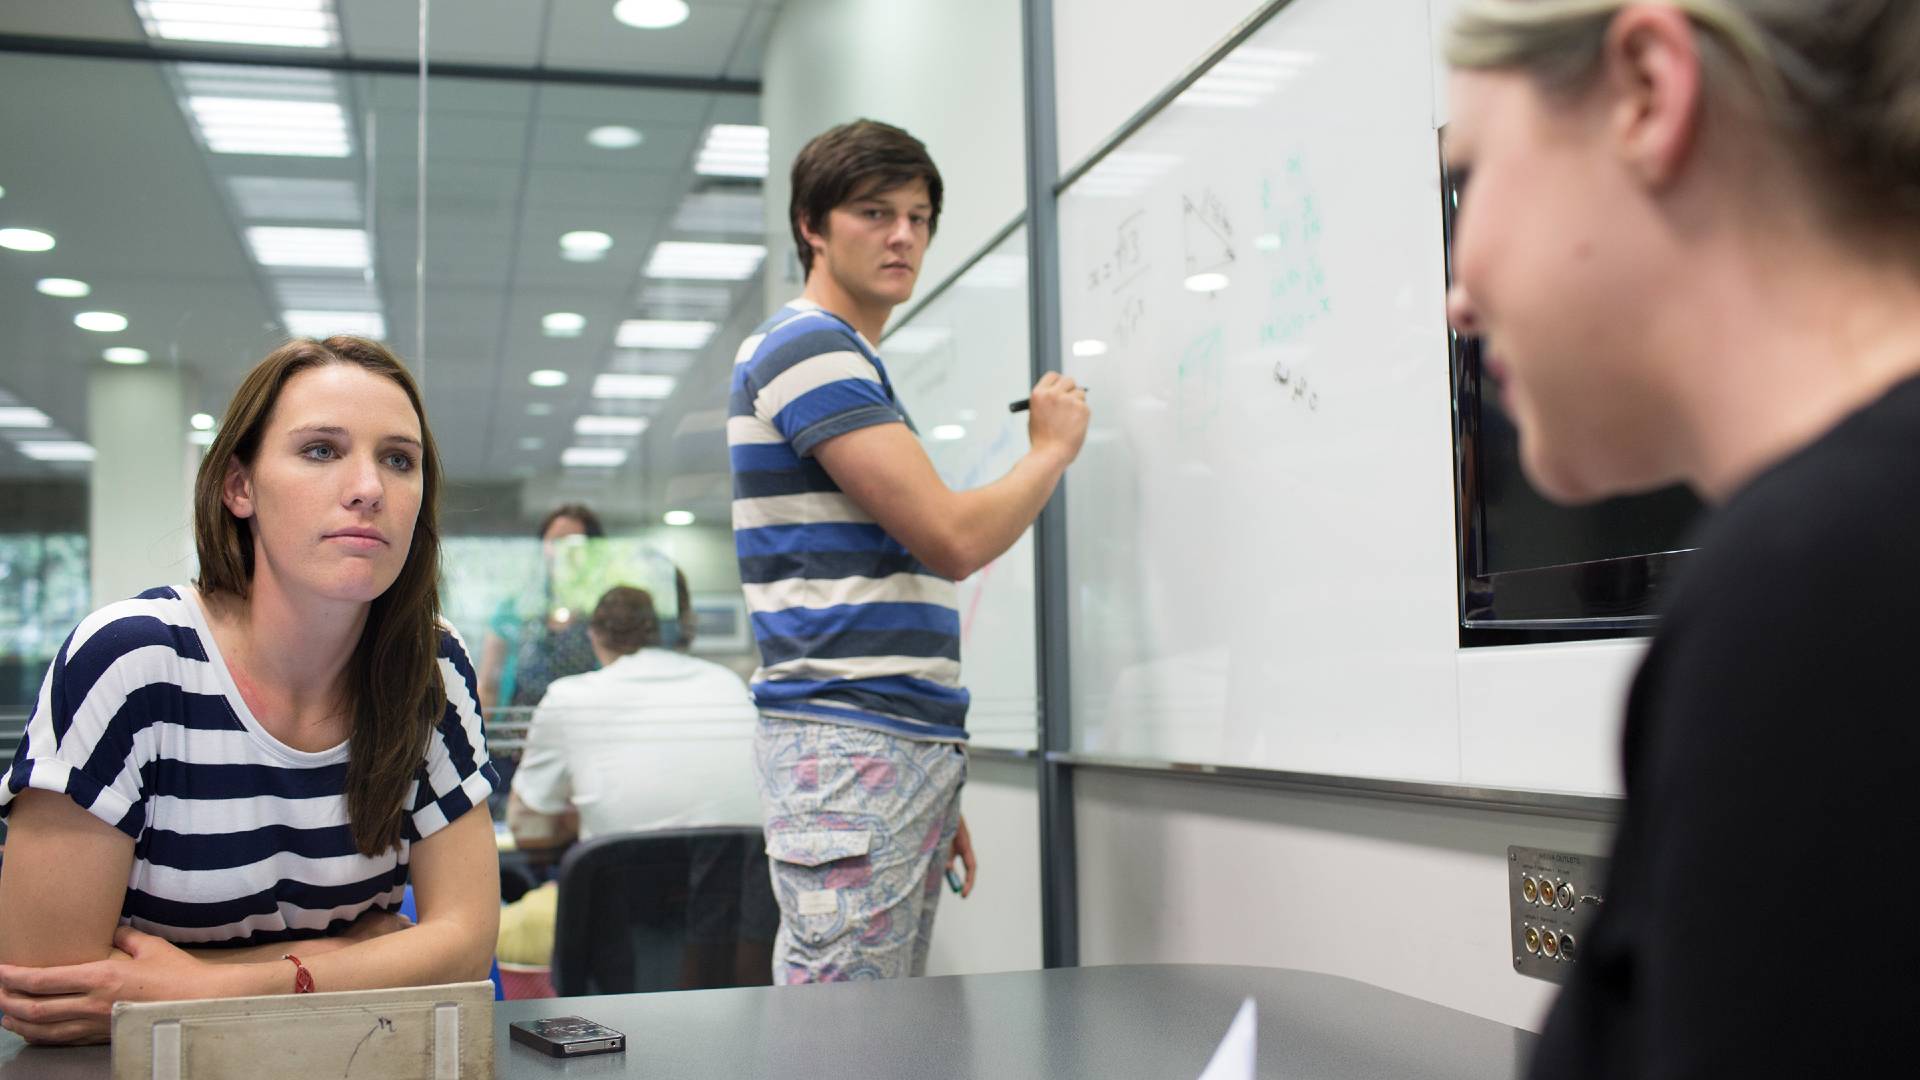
(1157, 1022)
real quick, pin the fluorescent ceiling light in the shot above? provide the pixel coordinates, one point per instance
(325, 324)
(26, 240)
(651, 14)
(1206, 283)
(604, 457)
(949, 432)
(56, 450)
(563, 323)
(23, 416)
(1123, 173)
(283, 245)
(280, 198)
(325, 292)
(705, 262)
(615, 137)
(274, 126)
(201, 421)
(610, 425)
(677, 517)
(663, 334)
(646, 387)
(733, 150)
(301, 24)
(548, 377)
(1090, 347)
(101, 322)
(739, 213)
(121, 354)
(63, 287)
(584, 245)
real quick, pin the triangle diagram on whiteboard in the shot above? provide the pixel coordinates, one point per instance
(1207, 243)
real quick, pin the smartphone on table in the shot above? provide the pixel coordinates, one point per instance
(567, 1036)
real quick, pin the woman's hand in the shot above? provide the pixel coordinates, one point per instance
(74, 1004)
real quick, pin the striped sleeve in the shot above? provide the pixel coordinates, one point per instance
(818, 384)
(90, 734)
(456, 775)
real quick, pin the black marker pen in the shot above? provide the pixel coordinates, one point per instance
(1027, 403)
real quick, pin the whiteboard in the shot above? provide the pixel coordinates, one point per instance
(1260, 529)
(955, 363)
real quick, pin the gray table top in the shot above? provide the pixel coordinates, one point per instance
(1159, 1021)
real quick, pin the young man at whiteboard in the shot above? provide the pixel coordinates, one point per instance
(849, 547)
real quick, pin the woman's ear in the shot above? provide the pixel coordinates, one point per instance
(1653, 81)
(236, 490)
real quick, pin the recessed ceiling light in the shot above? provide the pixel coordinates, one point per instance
(705, 262)
(949, 432)
(292, 245)
(101, 322)
(23, 416)
(121, 354)
(201, 421)
(1204, 283)
(56, 450)
(677, 517)
(663, 334)
(63, 287)
(644, 387)
(325, 324)
(610, 425)
(605, 457)
(733, 150)
(292, 23)
(563, 323)
(548, 377)
(615, 137)
(532, 442)
(651, 14)
(26, 240)
(1090, 347)
(278, 127)
(584, 245)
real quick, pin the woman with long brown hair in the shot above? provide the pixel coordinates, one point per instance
(1691, 242)
(225, 788)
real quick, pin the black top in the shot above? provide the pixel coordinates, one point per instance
(1757, 921)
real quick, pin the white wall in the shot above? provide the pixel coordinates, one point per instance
(1402, 895)
(948, 72)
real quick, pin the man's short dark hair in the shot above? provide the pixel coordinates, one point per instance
(624, 620)
(849, 162)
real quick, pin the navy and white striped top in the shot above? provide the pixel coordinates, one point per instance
(852, 628)
(239, 839)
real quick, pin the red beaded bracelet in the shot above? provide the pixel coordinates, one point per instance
(302, 978)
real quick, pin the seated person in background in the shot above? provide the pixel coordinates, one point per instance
(655, 739)
(219, 778)
(524, 653)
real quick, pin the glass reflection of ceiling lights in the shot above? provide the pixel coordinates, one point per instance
(300, 24)
(728, 213)
(325, 324)
(282, 112)
(663, 334)
(23, 416)
(562, 324)
(1124, 173)
(1244, 78)
(56, 450)
(705, 262)
(619, 426)
(293, 245)
(733, 150)
(600, 457)
(124, 354)
(678, 517)
(65, 288)
(547, 377)
(651, 14)
(634, 387)
(26, 240)
(101, 322)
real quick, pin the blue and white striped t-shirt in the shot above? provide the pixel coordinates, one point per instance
(852, 628)
(239, 839)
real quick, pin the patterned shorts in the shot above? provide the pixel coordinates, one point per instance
(860, 825)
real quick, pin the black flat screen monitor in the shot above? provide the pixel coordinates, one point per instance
(1531, 570)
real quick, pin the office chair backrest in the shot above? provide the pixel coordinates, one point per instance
(678, 909)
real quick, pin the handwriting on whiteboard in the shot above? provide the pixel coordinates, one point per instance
(1299, 295)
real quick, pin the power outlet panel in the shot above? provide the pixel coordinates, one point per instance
(1552, 896)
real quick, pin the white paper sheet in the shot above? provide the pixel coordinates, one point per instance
(1234, 1060)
